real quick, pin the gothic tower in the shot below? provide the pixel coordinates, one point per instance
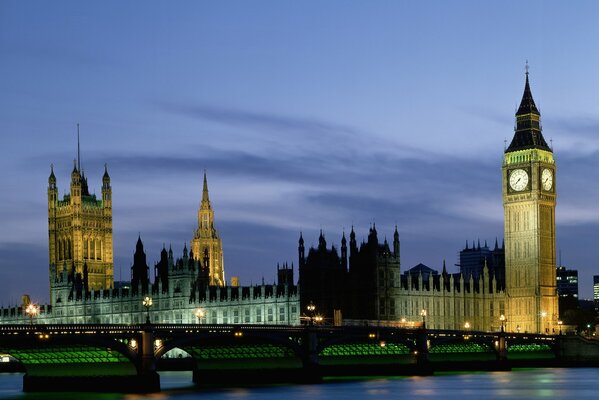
(80, 229)
(529, 198)
(206, 239)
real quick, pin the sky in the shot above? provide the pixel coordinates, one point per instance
(306, 116)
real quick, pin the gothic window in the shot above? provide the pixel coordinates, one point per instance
(270, 315)
(247, 316)
(281, 313)
(258, 315)
(85, 249)
(60, 253)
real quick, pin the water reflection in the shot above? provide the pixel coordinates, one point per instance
(523, 384)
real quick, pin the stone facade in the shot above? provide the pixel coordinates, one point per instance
(80, 229)
(189, 289)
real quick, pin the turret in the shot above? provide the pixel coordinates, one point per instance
(139, 269)
(396, 243)
(106, 189)
(322, 243)
(52, 190)
(301, 251)
(344, 252)
(353, 246)
(75, 185)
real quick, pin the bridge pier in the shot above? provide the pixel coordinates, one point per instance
(311, 367)
(422, 361)
(502, 347)
(147, 376)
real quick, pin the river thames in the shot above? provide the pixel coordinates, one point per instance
(555, 383)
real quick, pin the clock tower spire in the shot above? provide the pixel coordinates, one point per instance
(529, 199)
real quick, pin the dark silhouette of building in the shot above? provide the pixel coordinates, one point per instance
(140, 277)
(360, 288)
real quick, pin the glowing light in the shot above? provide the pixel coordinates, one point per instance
(32, 310)
(199, 313)
(133, 343)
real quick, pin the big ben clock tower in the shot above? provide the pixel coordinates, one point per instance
(529, 193)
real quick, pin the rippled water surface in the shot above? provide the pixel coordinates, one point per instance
(573, 383)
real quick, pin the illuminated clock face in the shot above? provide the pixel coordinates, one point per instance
(518, 180)
(547, 179)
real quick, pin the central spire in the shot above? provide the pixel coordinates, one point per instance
(205, 198)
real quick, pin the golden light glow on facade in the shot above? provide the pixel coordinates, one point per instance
(206, 244)
(80, 230)
(529, 218)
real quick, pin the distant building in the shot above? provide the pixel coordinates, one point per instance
(567, 282)
(596, 289)
(473, 259)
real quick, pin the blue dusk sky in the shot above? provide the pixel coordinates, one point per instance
(306, 115)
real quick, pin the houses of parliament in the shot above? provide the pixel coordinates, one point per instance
(360, 283)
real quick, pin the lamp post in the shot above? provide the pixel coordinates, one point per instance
(467, 325)
(543, 316)
(311, 309)
(199, 313)
(32, 310)
(560, 323)
(502, 319)
(147, 302)
(423, 314)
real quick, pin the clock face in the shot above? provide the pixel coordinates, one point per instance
(518, 180)
(547, 179)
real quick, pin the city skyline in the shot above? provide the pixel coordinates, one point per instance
(306, 117)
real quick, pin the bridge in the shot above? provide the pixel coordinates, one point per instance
(124, 357)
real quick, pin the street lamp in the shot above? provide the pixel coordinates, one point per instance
(559, 323)
(147, 302)
(467, 325)
(311, 309)
(423, 314)
(502, 319)
(32, 310)
(199, 313)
